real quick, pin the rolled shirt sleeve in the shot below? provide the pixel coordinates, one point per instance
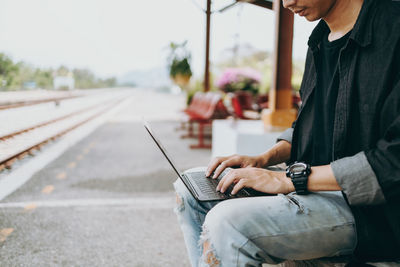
(287, 135)
(358, 181)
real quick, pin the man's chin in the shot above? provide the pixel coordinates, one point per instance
(311, 18)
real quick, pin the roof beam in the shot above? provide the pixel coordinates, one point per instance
(261, 3)
(281, 113)
(207, 63)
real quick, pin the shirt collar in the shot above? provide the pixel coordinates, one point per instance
(362, 30)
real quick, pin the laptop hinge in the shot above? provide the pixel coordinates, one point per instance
(187, 181)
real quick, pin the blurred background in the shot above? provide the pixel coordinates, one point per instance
(81, 182)
(118, 43)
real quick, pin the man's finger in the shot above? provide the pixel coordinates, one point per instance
(223, 166)
(238, 186)
(227, 180)
(213, 164)
(221, 182)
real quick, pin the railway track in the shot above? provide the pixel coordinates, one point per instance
(35, 102)
(19, 144)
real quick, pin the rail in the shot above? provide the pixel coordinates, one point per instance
(19, 144)
(34, 102)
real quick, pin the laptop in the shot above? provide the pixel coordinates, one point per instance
(201, 187)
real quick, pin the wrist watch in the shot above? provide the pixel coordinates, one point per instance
(299, 172)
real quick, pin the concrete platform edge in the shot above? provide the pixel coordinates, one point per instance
(22, 174)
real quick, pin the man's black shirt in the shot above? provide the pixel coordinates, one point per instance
(366, 132)
(326, 96)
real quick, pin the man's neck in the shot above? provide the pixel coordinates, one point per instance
(342, 17)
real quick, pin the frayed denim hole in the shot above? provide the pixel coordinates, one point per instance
(209, 257)
(301, 209)
(179, 203)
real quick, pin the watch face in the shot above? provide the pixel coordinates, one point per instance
(298, 168)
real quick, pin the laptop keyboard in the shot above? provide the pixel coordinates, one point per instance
(208, 185)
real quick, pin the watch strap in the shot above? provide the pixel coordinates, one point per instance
(300, 184)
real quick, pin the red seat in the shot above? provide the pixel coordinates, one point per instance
(204, 108)
(243, 106)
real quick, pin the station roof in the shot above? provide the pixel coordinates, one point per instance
(262, 3)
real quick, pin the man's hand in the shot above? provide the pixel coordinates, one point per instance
(279, 153)
(259, 179)
(219, 164)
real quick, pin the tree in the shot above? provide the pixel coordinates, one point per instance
(14, 76)
(84, 78)
(62, 71)
(8, 71)
(44, 78)
(110, 82)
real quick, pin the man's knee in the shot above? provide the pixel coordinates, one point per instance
(182, 195)
(222, 216)
(209, 256)
(230, 218)
(217, 226)
(208, 240)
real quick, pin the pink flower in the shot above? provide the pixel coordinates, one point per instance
(233, 79)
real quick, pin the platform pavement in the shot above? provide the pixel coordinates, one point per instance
(106, 201)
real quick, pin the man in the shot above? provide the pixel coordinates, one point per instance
(347, 130)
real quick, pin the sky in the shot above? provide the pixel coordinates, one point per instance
(113, 37)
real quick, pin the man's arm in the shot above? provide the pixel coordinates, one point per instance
(279, 153)
(358, 180)
(320, 179)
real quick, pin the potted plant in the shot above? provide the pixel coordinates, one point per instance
(241, 86)
(239, 79)
(179, 64)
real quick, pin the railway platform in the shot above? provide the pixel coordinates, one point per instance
(106, 199)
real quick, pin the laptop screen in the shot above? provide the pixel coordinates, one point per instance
(147, 126)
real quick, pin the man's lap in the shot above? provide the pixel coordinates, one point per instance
(286, 226)
(290, 226)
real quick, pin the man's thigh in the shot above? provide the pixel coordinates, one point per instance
(287, 226)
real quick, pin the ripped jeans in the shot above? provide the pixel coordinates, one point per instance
(271, 229)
